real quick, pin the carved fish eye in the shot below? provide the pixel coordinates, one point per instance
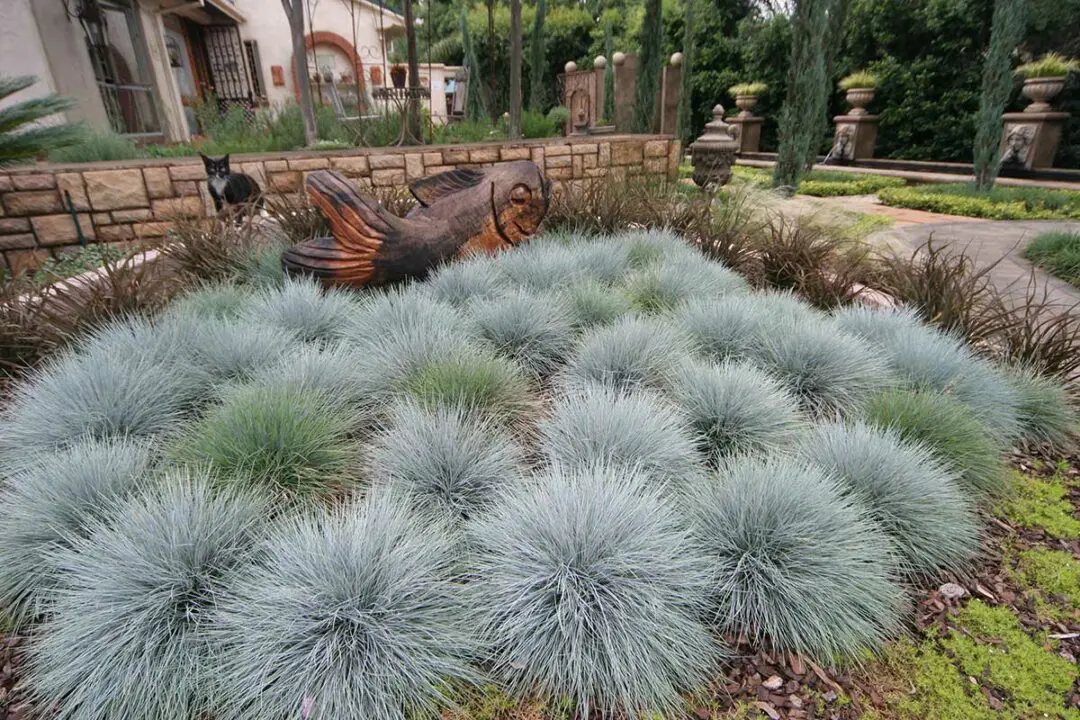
(520, 195)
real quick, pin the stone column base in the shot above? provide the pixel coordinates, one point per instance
(854, 137)
(1030, 140)
(747, 130)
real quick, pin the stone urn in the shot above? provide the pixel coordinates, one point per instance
(746, 104)
(713, 154)
(859, 98)
(1040, 91)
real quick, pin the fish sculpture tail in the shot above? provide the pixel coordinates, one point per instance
(359, 226)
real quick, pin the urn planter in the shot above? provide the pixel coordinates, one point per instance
(1041, 91)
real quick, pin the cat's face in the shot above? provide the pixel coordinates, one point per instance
(216, 167)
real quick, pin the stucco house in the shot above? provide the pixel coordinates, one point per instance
(138, 66)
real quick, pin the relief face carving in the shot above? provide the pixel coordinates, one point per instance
(844, 142)
(1018, 142)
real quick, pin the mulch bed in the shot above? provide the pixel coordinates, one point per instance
(787, 687)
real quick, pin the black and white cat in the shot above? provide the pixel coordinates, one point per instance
(228, 188)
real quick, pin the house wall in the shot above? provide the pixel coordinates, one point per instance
(267, 24)
(140, 200)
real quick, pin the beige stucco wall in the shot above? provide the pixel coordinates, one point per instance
(266, 23)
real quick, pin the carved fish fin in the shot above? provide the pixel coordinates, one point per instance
(430, 189)
(325, 259)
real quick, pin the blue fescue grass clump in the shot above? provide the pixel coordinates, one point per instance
(797, 565)
(474, 382)
(98, 394)
(276, 438)
(629, 353)
(56, 498)
(650, 247)
(335, 369)
(127, 635)
(303, 308)
(637, 430)
(534, 330)
(590, 304)
(947, 428)
(1045, 411)
(458, 283)
(444, 460)
(736, 408)
(587, 587)
(662, 287)
(222, 301)
(923, 358)
(550, 265)
(912, 495)
(347, 616)
(828, 371)
(231, 350)
(734, 326)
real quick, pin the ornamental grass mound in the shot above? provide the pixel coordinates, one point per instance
(566, 472)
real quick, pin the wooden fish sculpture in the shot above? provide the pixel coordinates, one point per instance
(460, 212)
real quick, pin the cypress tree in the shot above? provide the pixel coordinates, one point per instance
(685, 93)
(807, 91)
(474, 99)
(538, 61)
(649, 66)
(1006, 32)
(609, 73)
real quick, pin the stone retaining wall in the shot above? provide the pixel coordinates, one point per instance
(139, 200)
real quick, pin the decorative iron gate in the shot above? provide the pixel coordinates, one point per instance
(229, 71)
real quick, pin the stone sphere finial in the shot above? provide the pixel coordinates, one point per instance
(570, 67)
(618, 58)
(718, 111)
(506, 115)
(676, 59)
(600, 63)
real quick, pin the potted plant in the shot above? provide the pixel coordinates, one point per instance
(859, 87)
(1044, 78)
(746, 96)
(397, 75)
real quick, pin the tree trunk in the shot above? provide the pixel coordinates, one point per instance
(294, 10)
(515, 69)
(413, 106)
(1006, 32)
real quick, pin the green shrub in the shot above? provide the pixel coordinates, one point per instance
(129, 633)
(1000, 203)
(538, 125)
(97, 146)
(606, 618)
(274, 438)
(858, 80)
(1058, 253)
(949, 430)
(350, 614)
(797, 565)
(22, 137)
(820, 185)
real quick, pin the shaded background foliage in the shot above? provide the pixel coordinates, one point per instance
(928, 55)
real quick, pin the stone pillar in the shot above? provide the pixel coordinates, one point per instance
(670, 87)
(746, 127)
(1030, 140)
(625, 86)
(853, 138)
(599, 68)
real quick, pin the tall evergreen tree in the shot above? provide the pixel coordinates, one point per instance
(515, 69)
(807, 89)
(687, 90)
(650, 63)
(538, 61)
(609, 73)
(412, 108)
(474, 99)
(1006, 32)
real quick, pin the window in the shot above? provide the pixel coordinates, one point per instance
(251, 49)
(121, 65)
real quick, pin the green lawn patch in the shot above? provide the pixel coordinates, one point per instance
(1058, 253)
(1000, 203)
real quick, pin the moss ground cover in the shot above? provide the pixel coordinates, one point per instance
(443, 498)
